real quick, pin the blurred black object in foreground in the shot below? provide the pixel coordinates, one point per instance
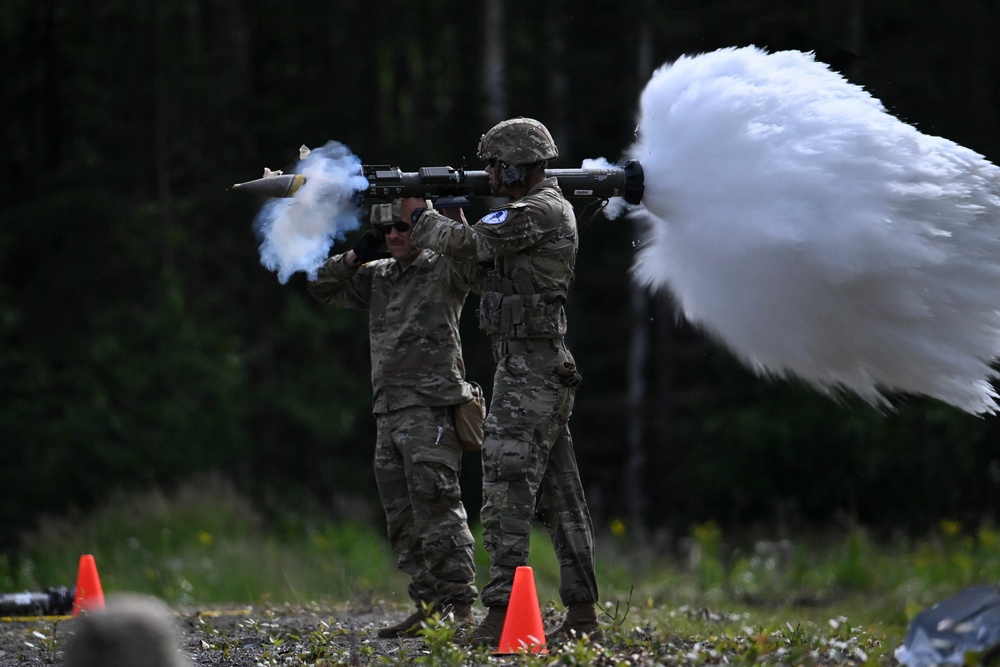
(56, 601)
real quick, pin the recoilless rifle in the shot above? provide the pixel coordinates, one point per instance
(449, 187)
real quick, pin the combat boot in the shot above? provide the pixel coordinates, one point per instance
(581, 619)
(461, 613)
(488, 632)
(409, 626)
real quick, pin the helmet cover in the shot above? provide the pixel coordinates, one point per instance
(517, 141)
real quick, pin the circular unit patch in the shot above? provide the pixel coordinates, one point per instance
(496, 217)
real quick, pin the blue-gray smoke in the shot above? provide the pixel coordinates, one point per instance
(297, 232)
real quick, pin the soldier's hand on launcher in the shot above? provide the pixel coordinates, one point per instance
(457, 214)
(370, 246)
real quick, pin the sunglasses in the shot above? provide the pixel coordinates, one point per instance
(398, 225)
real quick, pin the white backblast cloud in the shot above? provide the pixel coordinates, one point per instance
(297, 233)
(816, 235)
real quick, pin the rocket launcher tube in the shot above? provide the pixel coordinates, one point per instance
(624, 181)
(386, 183)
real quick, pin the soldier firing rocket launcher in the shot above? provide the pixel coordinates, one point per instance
(456, 187)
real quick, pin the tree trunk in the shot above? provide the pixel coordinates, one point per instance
(638, 352)
(494, 56)
(558, 120)
(162, 139)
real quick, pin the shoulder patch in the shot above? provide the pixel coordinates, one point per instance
(495, 218)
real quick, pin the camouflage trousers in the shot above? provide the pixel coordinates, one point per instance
(417, 463)
(530, 472)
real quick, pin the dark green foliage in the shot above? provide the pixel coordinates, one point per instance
(141, 340)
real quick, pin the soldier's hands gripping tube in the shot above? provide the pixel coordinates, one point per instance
(454, 212)
(369, 248)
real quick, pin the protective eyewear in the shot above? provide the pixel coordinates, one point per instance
(398, 225)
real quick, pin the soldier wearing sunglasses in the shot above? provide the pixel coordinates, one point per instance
(414, 300)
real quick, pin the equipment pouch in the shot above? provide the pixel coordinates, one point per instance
(512, 316)
(490, 307)
(568, 375)
(469, 418)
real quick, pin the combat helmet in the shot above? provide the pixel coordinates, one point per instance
(518, 141)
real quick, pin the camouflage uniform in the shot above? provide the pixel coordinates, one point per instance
(417, 377)
(529, 467)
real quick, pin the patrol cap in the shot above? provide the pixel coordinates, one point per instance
(385, 214)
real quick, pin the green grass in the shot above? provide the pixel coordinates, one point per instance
(205, 545)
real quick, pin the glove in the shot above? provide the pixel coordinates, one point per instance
(369, 248)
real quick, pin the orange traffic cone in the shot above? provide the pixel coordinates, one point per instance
(522, 627)
(89, 594)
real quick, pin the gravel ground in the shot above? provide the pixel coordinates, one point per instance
(284, 635)
(296, 636)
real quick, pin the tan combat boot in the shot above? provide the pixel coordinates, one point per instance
(488, 632)
(581, 619)
(460, 615)
(409, 626)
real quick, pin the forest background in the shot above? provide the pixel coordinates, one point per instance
(142, 342)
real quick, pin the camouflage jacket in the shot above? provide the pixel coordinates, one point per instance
(413, 317)
(532, 243)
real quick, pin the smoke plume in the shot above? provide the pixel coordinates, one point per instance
(297, 233)
(816, 235)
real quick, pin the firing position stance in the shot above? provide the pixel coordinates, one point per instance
(529, 466)
(414, 301)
